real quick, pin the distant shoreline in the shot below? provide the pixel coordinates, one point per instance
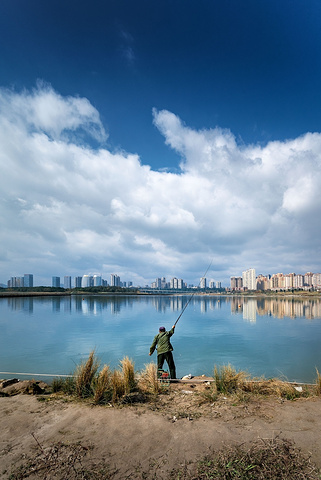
(301, 293)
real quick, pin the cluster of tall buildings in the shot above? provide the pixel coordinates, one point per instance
(89, 281)
(25, 281)
(276, 282)
(179, 284)
(68, 282)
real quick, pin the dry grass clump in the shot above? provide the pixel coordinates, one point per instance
(271, 387)
(264, 460)
(228, 380)
(85, 374)
(318, 383)
(128, 371)
(148, 381)
(102, 387)
(118, 387)
(66, 385)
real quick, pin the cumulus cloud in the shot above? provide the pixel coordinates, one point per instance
(68, 208)
(44, 110)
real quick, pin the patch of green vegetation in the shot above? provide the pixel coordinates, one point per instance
(263, 460)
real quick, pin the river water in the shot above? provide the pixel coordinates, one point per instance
(271, 337)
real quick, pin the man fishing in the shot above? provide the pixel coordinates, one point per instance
(164, 350)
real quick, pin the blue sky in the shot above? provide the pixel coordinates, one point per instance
(147, 138)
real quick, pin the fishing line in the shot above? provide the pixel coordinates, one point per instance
(193, 293)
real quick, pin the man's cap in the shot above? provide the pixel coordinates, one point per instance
(162, 329)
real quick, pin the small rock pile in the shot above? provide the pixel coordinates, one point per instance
(14, 386)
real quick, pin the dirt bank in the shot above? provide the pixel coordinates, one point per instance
(151, 440)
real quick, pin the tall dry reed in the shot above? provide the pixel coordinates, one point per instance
(318, 383)
(117, 382)
(149, 381)
(103, 388)
(128, 371)
(85, 374)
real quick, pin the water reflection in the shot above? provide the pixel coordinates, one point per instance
(55, 333)
(277, 307)
(248, 307)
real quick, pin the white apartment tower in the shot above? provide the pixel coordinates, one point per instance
(249, 279)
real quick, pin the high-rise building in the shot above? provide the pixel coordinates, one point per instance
(308, 279)
(174, 283)
(28, 280)
(97, 281)
(67, 281)
(16, 282)
(87, 281)
(56, 282)
(249, 279)
(298, 281)
(203, 282)
(114, 280)
(316, 280)
(78, 282)
(236, 283)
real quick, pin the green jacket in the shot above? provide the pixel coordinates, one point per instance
(162, 342)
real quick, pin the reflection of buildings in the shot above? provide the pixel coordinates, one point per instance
(67, 304)
(21, 303)
(56, 304)
(249, 309)
(203, 305)
(277, 307)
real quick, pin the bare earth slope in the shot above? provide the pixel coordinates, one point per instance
(151, 440)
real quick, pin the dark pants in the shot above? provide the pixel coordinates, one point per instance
(168, 356)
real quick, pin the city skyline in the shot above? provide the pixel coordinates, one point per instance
(248, 281)
(142, 137)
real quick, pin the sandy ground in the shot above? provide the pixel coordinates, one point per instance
(152, 439)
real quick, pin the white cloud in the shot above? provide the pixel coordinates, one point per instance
(67, 208)
(43, 110)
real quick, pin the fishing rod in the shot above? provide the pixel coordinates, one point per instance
(192, 294)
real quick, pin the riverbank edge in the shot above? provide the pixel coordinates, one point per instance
(252, 294)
